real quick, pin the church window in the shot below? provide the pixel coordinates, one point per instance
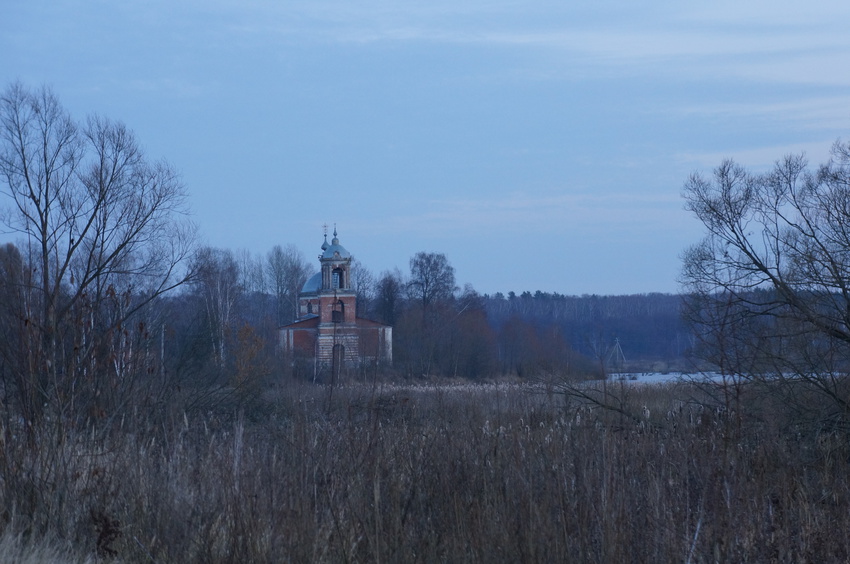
(338, 315)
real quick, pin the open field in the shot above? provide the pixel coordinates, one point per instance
(435, 473)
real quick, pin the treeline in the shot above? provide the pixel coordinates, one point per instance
(648, 327)
(217, 332)
(228, 316)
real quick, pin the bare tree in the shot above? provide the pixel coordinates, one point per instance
(103, 229)
(432, 278)
(218, 281)
(287, 271)
(252, 272)
(363, 284)
(430, 290)
(15, 332)
(389, 297)
(769, 286)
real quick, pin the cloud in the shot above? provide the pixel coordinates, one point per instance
(780, 43)
(818, 113)
(525, 214)
(760, 158)
(768, 13)
(776, 42)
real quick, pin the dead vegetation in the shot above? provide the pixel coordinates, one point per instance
(465, 473)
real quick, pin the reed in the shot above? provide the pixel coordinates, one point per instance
(457, 473)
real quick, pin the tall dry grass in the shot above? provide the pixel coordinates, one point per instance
(452, 473)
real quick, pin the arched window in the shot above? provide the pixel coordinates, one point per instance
(309, 307)
(338, 279)
(338, 315)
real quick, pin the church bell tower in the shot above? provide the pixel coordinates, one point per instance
(337, 300)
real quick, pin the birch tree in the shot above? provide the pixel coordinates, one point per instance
(217, 280)
(287, 271)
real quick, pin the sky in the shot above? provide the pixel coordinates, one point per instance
(541, 145)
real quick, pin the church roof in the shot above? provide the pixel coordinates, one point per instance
(334, 249)
(310, 322)
(313, 284)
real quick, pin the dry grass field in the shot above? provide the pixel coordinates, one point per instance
(434, 473)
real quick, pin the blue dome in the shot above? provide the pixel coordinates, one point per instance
(313, 284)
(334, 249)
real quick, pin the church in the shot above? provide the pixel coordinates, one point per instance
(328, 330)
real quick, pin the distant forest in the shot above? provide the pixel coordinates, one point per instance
(648, 327)
(227, 318)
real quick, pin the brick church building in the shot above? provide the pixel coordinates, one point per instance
(328, 330)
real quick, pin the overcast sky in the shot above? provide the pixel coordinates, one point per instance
(542, 145)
